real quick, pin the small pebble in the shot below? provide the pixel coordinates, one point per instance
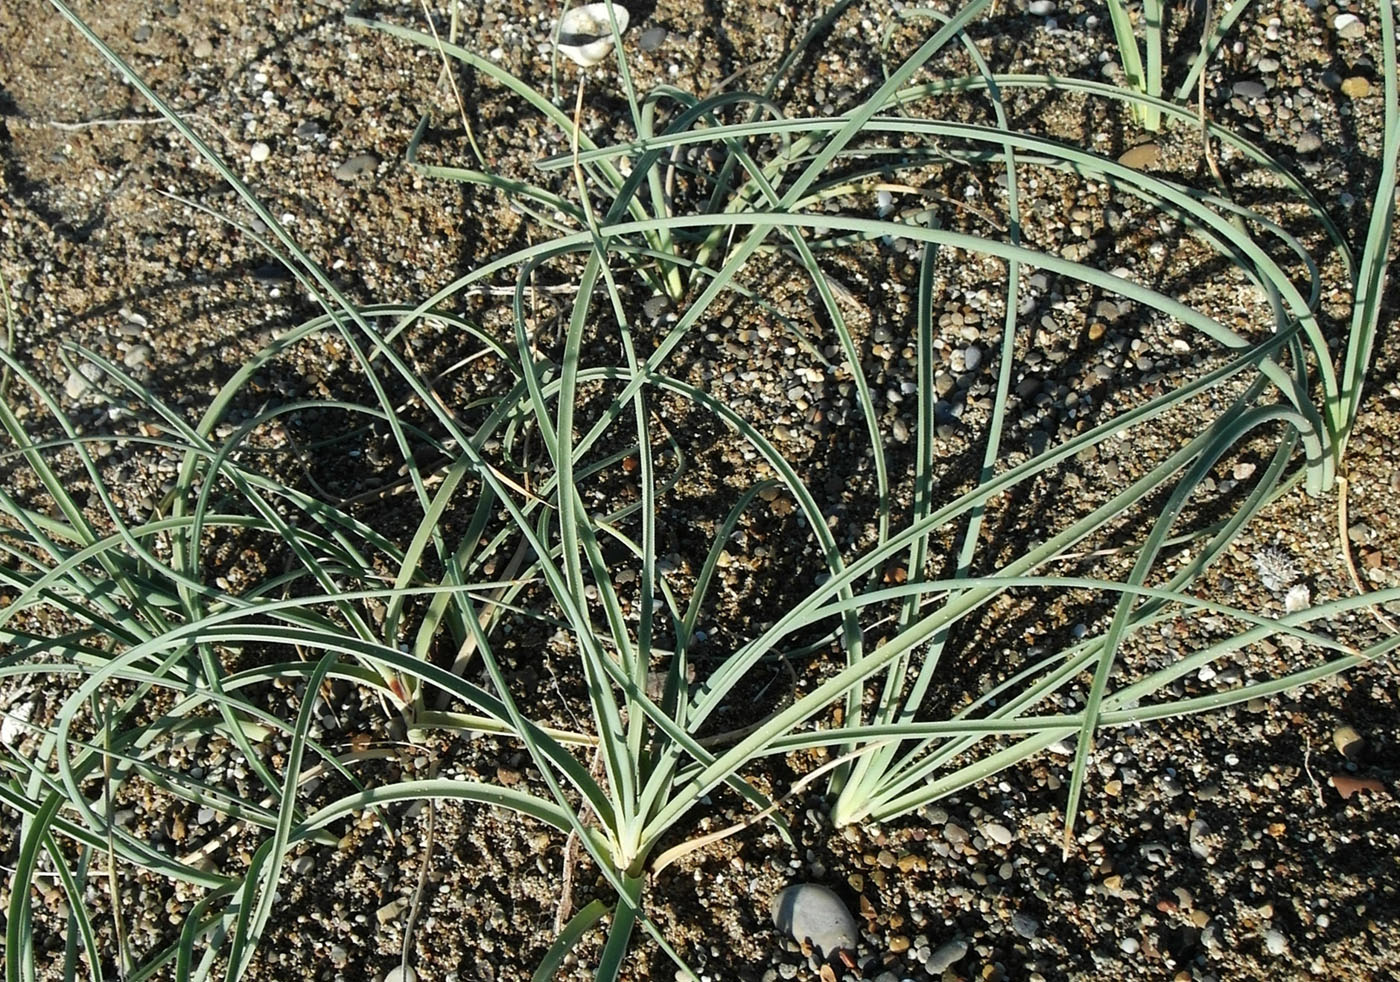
(1356, 87)
(259, 152)
(142, 34)
(1042, 8)
(1347, 741)
(1268, 65)
(203, 48)
(1249, 90)
(1197, 838)
(1276, 942)
(1349, 26)
(945, 957)
(137, 356)
(652, 38)
(586, 34)
(814, 912)
(1129, 946)
(363, 163)
(81, 379)
(1025, 925)
(273, 273)
(1141, 157)
(999, 834)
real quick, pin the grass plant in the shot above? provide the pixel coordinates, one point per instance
(120, 616)
(1142, 60)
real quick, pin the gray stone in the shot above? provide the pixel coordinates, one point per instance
(363, 163)
(652, 38)
(1249, 90)
(947, 955)
(1025, 925)
(814, 912)
(81, 379)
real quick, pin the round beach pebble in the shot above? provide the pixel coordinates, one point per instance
(947, 954)
(813, 912)
(1356, 87)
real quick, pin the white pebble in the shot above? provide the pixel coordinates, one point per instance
(999, 834)
(259, 152)
(1349, 26)
(81, 379)
(585, 33)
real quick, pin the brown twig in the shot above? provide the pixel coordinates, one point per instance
(1343, 523)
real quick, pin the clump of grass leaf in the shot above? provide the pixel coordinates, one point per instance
(500, 551)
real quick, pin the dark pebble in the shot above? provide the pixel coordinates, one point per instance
(272, 273)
